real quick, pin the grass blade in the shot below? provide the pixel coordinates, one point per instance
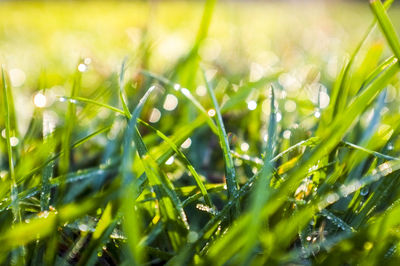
(230, 171)
(185, 161)
(386, 26)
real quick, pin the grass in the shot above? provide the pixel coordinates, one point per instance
(190, 162)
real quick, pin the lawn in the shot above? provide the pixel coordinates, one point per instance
(195, 132)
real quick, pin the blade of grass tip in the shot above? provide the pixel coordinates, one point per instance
(128, 150)
(129, 193)
(386, 26)
(121, 89)
(185, 161)
(230, 172)
(14, 191)
(18, 254)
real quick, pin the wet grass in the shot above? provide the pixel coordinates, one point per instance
(191, 164)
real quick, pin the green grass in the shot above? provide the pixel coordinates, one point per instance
(196, 160)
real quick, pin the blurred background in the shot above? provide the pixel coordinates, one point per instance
(303, 43)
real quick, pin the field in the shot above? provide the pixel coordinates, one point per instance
(199, 132)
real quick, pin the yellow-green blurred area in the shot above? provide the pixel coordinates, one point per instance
(306, 42)
(259, 36)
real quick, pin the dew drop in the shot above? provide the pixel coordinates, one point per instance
(82, 67)
(14, 141)
(155, 115)
(171, 102)
(244, 146)
(187, 143)
(252, 105)
(364, 191)
(83, 227)
(170, 160)
(40, 100)
(211, 112)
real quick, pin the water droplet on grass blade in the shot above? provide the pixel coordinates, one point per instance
(40, 100)
(83, 227)
(155, 115)
(252, 105)
(14, 141)
(287, 134)
(364, 191)
(170, 103)
(333, 197)
(170, 160)
(3, 174)
(278, 117)
(187, 143)
(82, 67)
(244, 146)
(87, 60)
(211, 112)
(185, 91)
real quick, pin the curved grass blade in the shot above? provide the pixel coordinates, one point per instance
(86, 100)
(230, 171)
(130, 186)
(185, 161)
(374, 153)
(121, 90)
(170, 204)
(14, 191)
(386, 26)
(18, 254)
